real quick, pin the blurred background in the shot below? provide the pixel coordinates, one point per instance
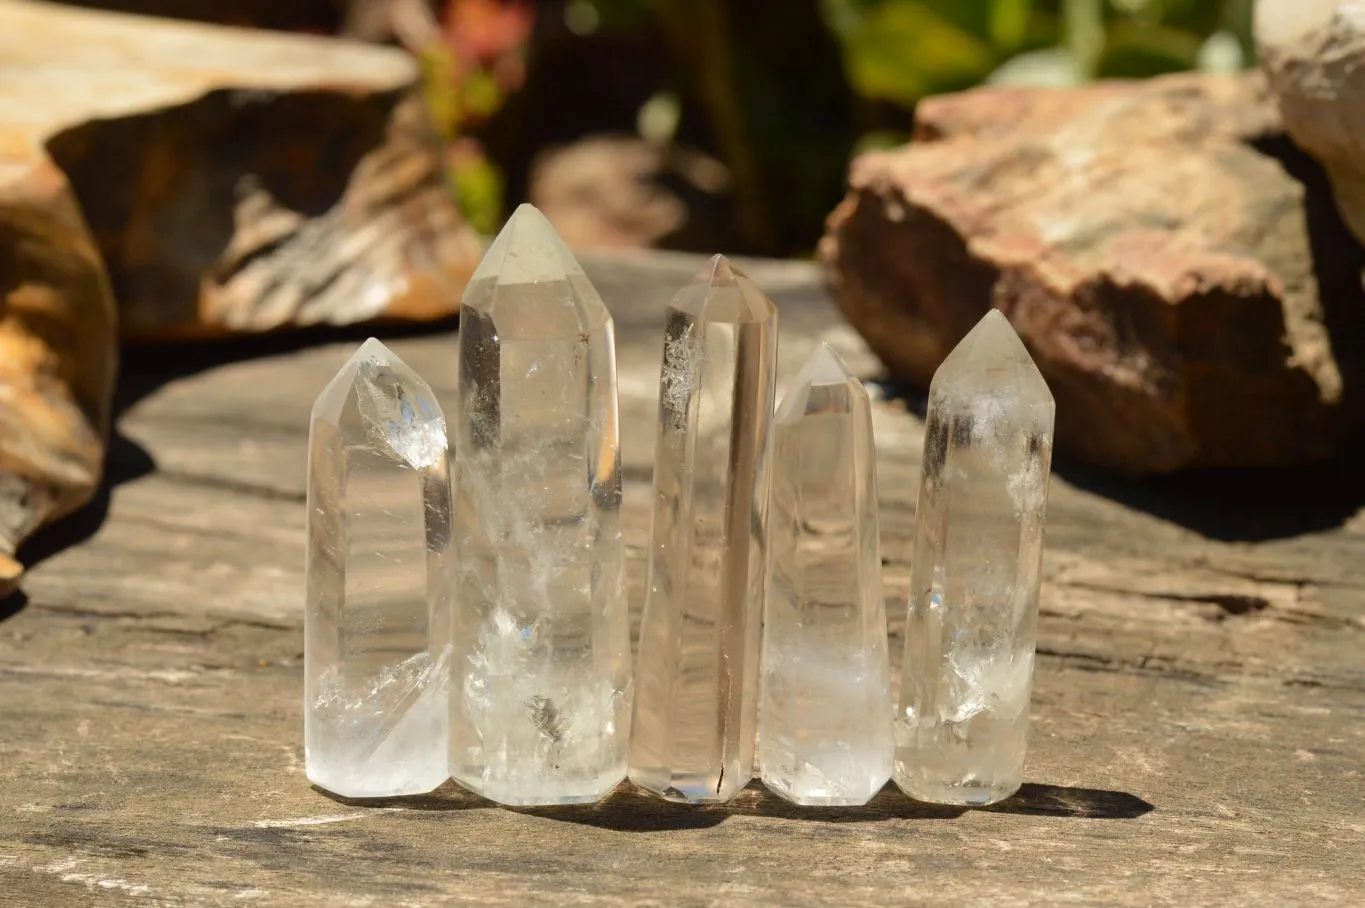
(705, 124)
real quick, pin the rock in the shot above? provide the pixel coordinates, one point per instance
(237, 181)
(217, 181)
(1313, 52)
(57, 355)
(621, 192)
(1174, 266)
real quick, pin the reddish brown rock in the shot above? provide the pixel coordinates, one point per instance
(1176, 267)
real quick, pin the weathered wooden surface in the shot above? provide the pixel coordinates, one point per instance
(1199, 717)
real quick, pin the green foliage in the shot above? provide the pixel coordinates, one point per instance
(786, 90)
(902, 50)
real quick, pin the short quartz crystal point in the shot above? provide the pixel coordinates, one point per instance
(376, 628)
(696, 688)
(962, 725)
(825, 723)
(541, 675)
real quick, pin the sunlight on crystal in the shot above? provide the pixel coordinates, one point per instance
(542, 639)
(962, 727)
(825, 726)
(376, 664)
(696, 698)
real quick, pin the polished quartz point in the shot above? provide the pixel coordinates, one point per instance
(962, 725)
(541, 671)
(695, 705)
(825, 722)
(376, 628)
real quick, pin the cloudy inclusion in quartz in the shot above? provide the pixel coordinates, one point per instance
(376, 625)
(541, 665)
(696, 688)
(825, 725)
(962, 726)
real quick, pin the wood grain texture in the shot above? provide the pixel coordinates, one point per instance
(1199, 715)
(235, 181)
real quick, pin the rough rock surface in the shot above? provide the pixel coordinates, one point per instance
(1175, 266)
(216, 181)
(235, 180)
(618, 192)
(1313, 52)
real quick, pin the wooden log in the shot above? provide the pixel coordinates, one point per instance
(221, 181)
(237, 181)
(57, 355)
(1199, 706)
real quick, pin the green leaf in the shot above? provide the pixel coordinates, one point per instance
(1010, 22)
(901, 51)
(478, 192)
(1135, 51)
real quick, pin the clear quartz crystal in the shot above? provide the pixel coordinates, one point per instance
(376, 628)
(962, 726)
(825, 723)
(696, 704)
(541, 668)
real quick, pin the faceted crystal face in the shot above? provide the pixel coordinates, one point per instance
(376, 630)
(962, 725)
(541, 665)
(695, 706)
(825, 725)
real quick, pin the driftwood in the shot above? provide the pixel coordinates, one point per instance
(219, 181)
(1199, 711)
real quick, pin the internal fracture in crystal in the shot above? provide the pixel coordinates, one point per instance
(696, 687)
(962, 724)
(825, 722)
(376, 630)
(541, 669)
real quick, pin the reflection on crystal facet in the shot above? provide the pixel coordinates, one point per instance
(825, 725)
(541, 668)
(693, 732)
(962, 727)
(376, 632)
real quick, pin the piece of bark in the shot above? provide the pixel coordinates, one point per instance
(1174, 265)
(57, 354)
(1313, 52)
(238, 181)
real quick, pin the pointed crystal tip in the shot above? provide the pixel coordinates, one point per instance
(720, 292)
(823, 369)
(394, 404)
(992, 359)
(526, 251)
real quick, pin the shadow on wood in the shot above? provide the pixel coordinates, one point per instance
(1239, 505)
(628, 809)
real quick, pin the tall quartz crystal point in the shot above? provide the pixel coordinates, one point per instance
(962, 726)
(376, 630)
(695, 703)
(825, 721)
(541, 672)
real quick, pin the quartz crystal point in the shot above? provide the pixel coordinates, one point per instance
(962, 726)
(377, 622)
(825, 721)
(695, 703)
(541, 669)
